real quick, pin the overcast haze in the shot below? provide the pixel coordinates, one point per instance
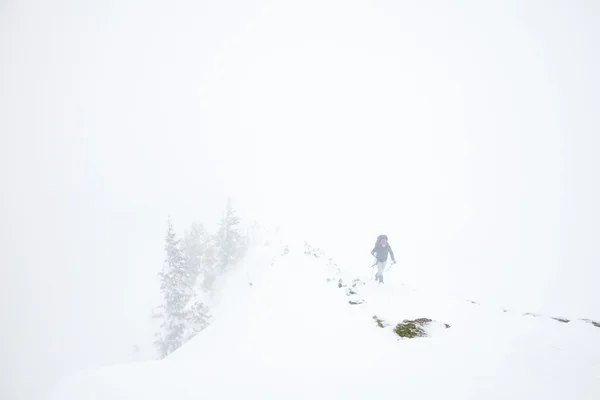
(468, 134)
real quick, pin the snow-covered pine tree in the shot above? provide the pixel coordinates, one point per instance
(193, 246)
(230, 244)
(198, 317)
(176, 292)
(197, 250)
(209, 262)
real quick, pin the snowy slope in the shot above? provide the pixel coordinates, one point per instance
(284, 328)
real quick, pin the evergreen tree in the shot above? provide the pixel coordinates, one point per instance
(183, 314)
(194, 245)
(198, 253)
(209, 262)
(176, 291)
(198, 318)
(229, 242)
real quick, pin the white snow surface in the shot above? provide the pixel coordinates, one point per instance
(283, 329)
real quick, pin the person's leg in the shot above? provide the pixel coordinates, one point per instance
(380, 268)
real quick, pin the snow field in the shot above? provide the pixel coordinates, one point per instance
(293, 334)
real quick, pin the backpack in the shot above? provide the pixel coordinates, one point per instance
(379, 239)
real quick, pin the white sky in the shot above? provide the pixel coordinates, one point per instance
(468, 134)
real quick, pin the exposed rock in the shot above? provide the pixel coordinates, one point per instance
(357, 282)
(350, 292)
(331, 263)
(532, 314)
(309, 250)
(589, 321)
(380, 323)
(355, 302)
(563, 320)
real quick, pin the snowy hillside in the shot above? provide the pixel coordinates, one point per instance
(290, 324)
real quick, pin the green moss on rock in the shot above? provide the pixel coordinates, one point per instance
(411, 329)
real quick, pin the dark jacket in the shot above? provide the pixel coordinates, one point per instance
(382, 252)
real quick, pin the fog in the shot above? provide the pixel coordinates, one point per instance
(468, 134)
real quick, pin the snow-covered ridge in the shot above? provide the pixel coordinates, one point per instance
(285, 327)
(353, 288)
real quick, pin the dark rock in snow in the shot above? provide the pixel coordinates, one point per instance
(589, 321)
(380, 323)
(531, 314)
(357, 282)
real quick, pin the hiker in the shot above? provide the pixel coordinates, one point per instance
(380, 252)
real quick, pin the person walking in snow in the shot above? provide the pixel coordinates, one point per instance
(380, 252)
